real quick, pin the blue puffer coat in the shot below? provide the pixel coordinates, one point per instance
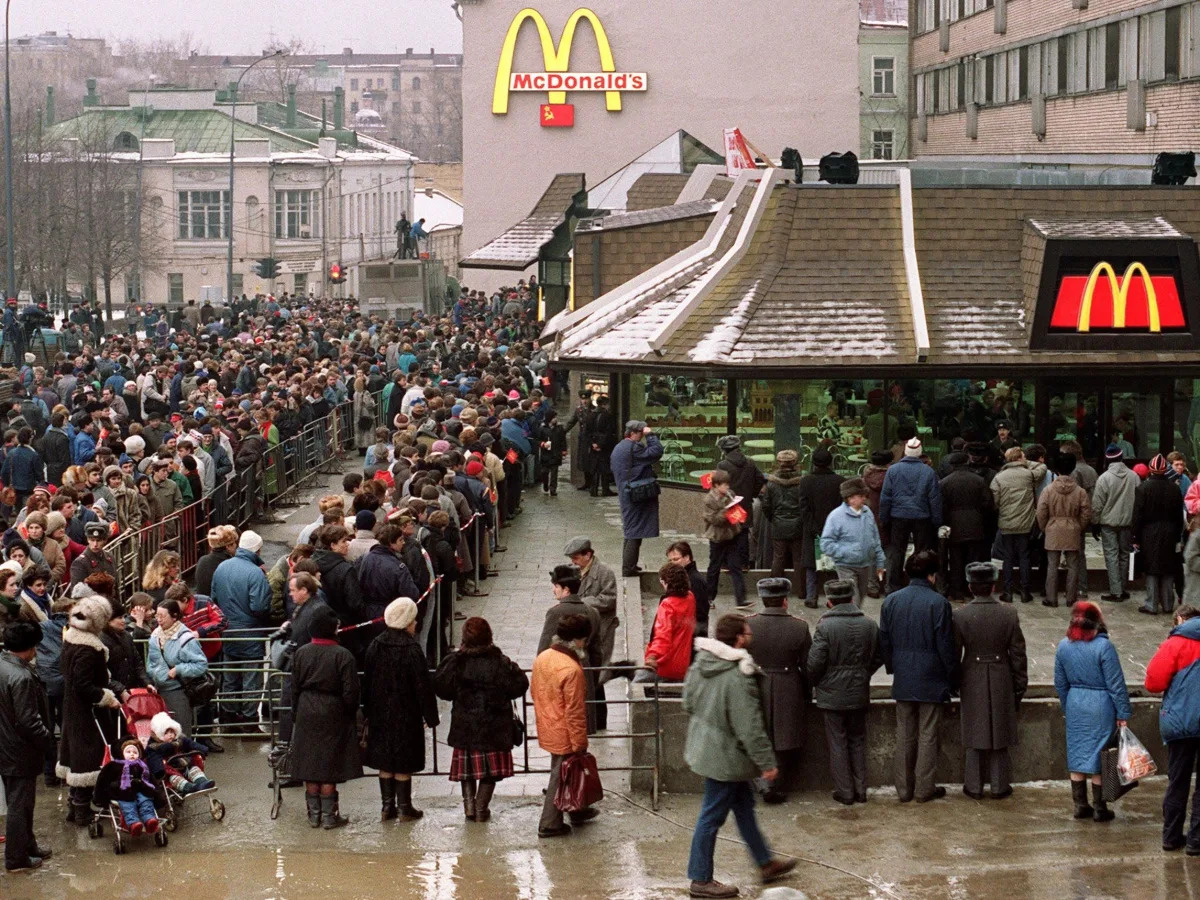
(1091, 690)
(241, 589)
(851, 539)
(910, 491)
(916, 637)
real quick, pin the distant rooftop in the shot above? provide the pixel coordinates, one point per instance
(193, 130)
(883, 12)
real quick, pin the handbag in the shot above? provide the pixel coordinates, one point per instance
(365, 422)
(201, 689)
(643, 489)
(578, 783)
(1111, 788)
(518, 728)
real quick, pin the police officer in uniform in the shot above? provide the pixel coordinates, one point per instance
(780, 646)
(585, 417)
(994, 678)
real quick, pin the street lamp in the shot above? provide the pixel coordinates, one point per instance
(232, 133)
(11, 286)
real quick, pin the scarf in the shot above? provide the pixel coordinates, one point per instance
(128, 767)
(165, 634)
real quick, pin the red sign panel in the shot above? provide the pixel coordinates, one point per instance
(1105, 300)
(558, 115)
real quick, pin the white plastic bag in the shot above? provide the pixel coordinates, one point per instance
(1132, 562)
(1133, 760)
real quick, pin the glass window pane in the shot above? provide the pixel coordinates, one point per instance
(1136, 422)
(1187, 420)
(689, 414)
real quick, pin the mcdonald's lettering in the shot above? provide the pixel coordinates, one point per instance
(556, 80)
(1104, 301)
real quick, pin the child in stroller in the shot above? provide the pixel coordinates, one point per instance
(126, 781)
(175, 757)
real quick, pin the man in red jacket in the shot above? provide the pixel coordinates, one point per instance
(1174, 672)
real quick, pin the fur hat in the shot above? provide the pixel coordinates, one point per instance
(787, 459)
(729, 442)
(913, 448)
(822, 457)
(1086, 621)
(769, 588)
(853, 486)
(21, 636)
(981, 573)
(400, 613)
(161, 723)
(839, 590)
(91, 614)
(55, 521)
(135, 444)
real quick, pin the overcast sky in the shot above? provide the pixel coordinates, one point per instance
(237, 26)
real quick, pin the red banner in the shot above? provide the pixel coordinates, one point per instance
(558, 115)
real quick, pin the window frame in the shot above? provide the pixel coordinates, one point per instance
(886, 74)
(202, 212)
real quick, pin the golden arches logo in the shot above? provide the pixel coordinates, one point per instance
(556, 57)
(1120, 295)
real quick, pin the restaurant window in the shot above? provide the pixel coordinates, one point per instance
(843, 416)
(883, 144)
(883, 83)
(175, 287)
(1074, 415)
(203, 215)
(1186, 399)
(1135, 418)
(938, 411)
(688, 414)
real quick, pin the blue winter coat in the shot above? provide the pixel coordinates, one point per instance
(183, 653)
(511, 431)
(910, 491)
(1179, 718)
(22, 469)
(851, 539)
(49, 654)
(916, 637)
(634, 461)
(241, 589)
(1091, 691)
(83, 448)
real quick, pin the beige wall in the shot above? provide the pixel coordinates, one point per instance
(787, 77)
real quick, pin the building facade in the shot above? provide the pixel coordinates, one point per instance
(883, 79)
(303, 196)
(1054, 76)
(786, 77)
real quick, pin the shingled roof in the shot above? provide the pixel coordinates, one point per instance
(519, 246)
(655, 189)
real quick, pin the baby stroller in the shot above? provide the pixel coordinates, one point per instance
(141, 708)
(110, 811)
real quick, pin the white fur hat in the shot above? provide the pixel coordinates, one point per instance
(134, 444)
(161, 723)
(90, 614)
(400, 613)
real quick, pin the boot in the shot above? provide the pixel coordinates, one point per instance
(387, 791)
(313, 802)
(1079, 795)
(329, 813)
(468, 792)
(408, 812)
(1103, 813)
(482, 799)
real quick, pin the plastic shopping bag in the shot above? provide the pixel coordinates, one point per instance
(1133, 760)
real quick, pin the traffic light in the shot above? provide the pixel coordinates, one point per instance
(268, 268)
(337, 274)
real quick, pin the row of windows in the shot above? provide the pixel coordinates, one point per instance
(1161, 46)
(931, 13)
(205, 215)
(378, 84)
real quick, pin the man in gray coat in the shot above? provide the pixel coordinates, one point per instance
(1112, 509)
(781, 643)
(845, 654)
(598, 589)
(994, 677)
(566, 583)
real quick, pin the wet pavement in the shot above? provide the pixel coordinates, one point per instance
(1024, 847)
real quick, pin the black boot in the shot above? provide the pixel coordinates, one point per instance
(1079, 795)
(1103, 813)
(482, 799)
(330, 818)
(408, 812)
(387, 791)
(313, 802)
(468, 792)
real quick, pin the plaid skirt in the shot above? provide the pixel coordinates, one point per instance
(480, 764)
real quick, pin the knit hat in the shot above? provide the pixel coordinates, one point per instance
(400, 613)
(364, 520)
(822, 457)
(1113, 453)
(55, 521)
(728, 442)
(852, 487)
(474, 467)
(135, 444)
(440, 447)
(1141, 471)
(91, 614)
(251, 541)
(1158, 465)
(161, 723)
(913, 448)
(324, 623)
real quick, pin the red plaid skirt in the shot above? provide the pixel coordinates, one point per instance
(479, 764)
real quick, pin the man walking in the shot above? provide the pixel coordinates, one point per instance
(727, 745)
(910, 507)
(844, 656)
(632, 465)
(559, 692)
(994, 677)
(1063, 515)
(1015, 491)
(781, 645)
(25, 738)
(1112, 509)
(916, 635)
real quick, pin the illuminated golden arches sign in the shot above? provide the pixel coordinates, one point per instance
(1136, 300)
(556, 81)
(1120, 295)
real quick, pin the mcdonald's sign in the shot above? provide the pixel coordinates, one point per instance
(556, 81)
(1102, 301)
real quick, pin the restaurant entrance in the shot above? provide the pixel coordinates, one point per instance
(1135, 415)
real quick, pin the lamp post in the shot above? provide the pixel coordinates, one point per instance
(11, 285)
(232, 133)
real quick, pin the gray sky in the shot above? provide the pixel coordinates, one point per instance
(369, 26)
